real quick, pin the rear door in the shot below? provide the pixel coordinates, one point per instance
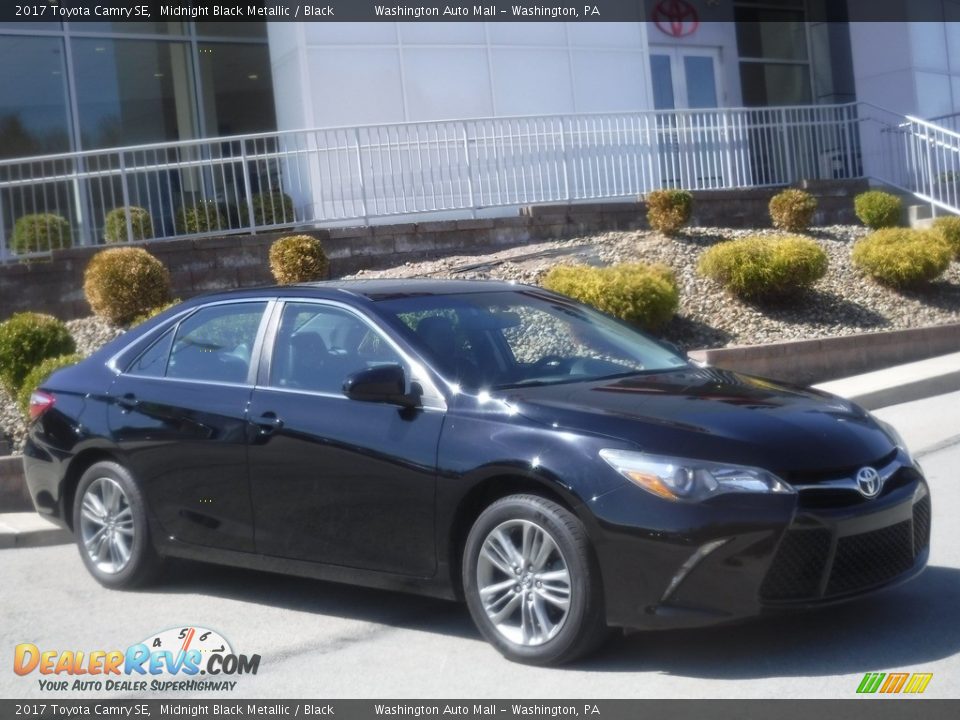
(178, 413)
(336, 480)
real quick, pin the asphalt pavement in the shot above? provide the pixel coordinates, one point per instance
(323, 640)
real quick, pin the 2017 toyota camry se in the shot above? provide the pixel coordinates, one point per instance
(560, 471)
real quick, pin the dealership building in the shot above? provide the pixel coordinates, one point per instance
(91, 86)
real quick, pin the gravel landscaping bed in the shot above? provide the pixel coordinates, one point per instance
(843, 302)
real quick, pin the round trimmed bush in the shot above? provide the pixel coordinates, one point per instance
(39, 374)
(762, 266)
(792, 210)
(205, 216)
(645, 295)
(122, 283)
(902, 257)
(41, 233)
(26, 340)
(272, 208)
(115, 225)
(878, 209)
(669, 210)
(297, 259)
(949, 229)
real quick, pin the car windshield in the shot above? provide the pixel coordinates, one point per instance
(498, 340)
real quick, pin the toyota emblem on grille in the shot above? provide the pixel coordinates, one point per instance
(868, 482)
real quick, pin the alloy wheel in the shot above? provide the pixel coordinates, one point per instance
(106, 525)
(524, 582)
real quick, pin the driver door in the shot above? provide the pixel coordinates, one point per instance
(335, 480)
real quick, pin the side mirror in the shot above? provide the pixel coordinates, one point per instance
(382, 384)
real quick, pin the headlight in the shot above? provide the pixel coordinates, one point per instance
(691, 480)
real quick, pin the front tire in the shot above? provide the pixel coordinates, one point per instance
(110, 524)
(531, 583)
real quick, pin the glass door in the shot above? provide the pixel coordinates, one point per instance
(685, 79)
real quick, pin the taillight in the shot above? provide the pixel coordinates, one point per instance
(40, 402)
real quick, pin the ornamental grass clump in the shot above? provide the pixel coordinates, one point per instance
(645, 295)
(762, 267)
(877, 209)
(115, 225)
(26, 340)
(792, 210)
(669, 210)
(901, 257)
(297, 259)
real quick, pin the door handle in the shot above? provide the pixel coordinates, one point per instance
(128, 401)
(269, 423)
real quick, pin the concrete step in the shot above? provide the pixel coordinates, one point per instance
(901, 383)
(28, 529)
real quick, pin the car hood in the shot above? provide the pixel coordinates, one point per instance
(713, 414)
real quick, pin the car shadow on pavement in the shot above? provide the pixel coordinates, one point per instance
(909, 625)
(396, 609)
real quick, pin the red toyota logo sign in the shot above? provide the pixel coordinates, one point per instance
(675, 17)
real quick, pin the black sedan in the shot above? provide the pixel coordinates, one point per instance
(560, 471)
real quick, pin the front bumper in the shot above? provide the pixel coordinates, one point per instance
(742, 556)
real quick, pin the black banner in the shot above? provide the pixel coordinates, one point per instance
(55, 11)
(877, 709)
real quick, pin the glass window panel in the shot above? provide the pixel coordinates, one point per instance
(766, 84)
(216, 343)
(133, 91)
(140, 28)
(771, 34)
(662, 82)
(238, 89)
(33, 97)
(701, 81)
(232, 29)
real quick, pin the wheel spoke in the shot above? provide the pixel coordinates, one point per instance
(120, 550)
(540, 613)
(506, 611)
(545, 550)
(498, 587)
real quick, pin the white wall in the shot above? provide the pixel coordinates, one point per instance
(364, 73)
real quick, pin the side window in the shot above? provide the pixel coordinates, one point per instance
(153, 361)
(318, 346)
(216, 343)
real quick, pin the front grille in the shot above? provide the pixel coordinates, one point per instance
(813, 498)
(871, 558)
(921, 525)
(798, 566)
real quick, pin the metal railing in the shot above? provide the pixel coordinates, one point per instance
(355, 174)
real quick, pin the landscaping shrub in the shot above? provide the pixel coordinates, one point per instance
(646, 295)
(115, 225)
(669, 210)
(39, 374)
(200, 218)
(40, 233)
(26, 340)
(122, 283)
(878, 209)
(902, 257)
(792, 210)
(949, 229)
(272, 208)
(761, 266)
(298, 258)
(153, 312)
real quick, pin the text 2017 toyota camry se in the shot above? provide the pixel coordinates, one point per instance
(560, 471)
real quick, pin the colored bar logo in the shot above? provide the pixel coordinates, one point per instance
(890, 683)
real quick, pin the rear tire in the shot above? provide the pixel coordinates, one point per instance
(531, 583)
(110, 525)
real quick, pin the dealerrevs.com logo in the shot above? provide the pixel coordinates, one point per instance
(176, 660)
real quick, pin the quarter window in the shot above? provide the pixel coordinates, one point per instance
(216, 343)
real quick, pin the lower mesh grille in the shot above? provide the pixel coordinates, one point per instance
(798, 566)
(859, 561)
(871, 558)
(921, 525)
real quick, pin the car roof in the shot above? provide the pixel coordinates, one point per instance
(373, 289)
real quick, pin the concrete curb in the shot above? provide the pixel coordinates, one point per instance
(28, 529)
(900, 384)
